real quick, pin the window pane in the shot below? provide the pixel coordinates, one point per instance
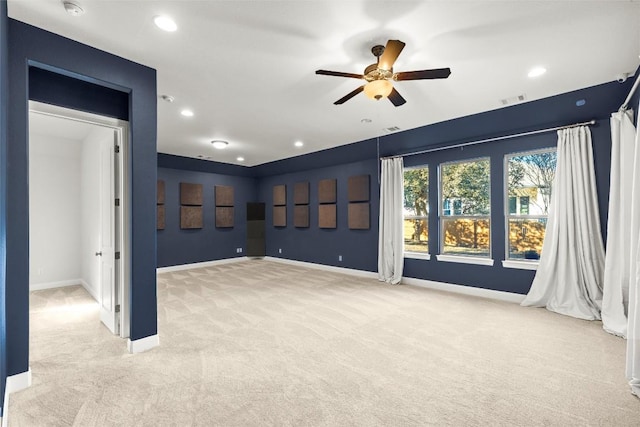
(531, 180)
(416, 235)
(526, 237)
(416, 204)
(465, 188)
(466, 237)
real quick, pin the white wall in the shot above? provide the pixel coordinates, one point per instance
(54, 211)
(90, 208)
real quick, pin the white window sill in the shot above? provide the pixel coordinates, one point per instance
(522, 265)
(417, 255)
(465, 259)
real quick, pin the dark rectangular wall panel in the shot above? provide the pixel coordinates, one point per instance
(224, 195)
(301, 193)
(160, 217)
(190, 217)
(190, 194)
(358, 188)
(279, 216)
(358, 216)
(255, 211)
(327, 191)
(256, 246)
(301, 216)
(224, 217)
(327, 216)
(279, 195)
(160, 193)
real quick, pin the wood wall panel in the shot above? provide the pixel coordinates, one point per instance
(301, 216)
(190, 194)
(358, 188)
(327, 191)
(301, 193)
(160, 222)
(358, 216)
(224, 195)
(224, 217)
(327, 216)
(160, 193)
(190, 217)
(279, 216)
(279, 195)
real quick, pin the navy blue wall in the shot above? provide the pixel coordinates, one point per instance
(359, 248)
(4, 107)
(32, 46)
(177, 246)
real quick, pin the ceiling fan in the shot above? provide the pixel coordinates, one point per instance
(380, 74)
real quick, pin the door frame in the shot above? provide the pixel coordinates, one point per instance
(122, 175)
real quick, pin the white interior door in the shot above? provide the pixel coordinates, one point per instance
(109, 307)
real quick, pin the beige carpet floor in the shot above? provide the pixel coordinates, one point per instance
(259, 343)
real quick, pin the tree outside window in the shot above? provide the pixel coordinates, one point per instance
(465, 208)
(416, 210)
(529, 189)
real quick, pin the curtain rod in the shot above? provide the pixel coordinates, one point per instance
(633, 89)
(497, 138)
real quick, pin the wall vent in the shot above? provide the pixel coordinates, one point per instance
(392, 129)
(513, 99)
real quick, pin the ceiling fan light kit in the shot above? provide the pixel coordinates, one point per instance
(380, 74)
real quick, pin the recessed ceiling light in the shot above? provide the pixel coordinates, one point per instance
(536, 72)
(219, 144)
(187, 113)
(167, 98)
(298, 144)
(365, 121)
(165, 23)
(73, 9)
(240, 159)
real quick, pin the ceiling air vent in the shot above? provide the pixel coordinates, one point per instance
(392, 129)
(513, 99)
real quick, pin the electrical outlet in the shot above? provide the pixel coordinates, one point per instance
(339, 257)
(279, 251)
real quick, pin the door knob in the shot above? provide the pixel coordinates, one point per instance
(99, 253)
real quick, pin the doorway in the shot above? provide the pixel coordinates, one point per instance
(79, 208)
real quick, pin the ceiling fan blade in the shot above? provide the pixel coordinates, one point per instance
(395, 98)
(436, 73)
(390, 54)
(349, 96)
(339, 74)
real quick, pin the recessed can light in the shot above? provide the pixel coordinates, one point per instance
(187, 113)
(73, 9)
(165, 23)
(365, 121)
(219, 144)
(240, 159)
(167, 98)
(536, 72)
(298, 144)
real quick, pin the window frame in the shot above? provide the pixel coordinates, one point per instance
(467, 259)
(415, 254)
(508, 262)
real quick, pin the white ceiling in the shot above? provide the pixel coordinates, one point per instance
(246, 68)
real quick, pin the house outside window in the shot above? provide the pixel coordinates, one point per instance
(416, 210)
(465, 208)
(529, 186)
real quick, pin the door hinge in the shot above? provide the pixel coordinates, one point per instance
(117, 202)
(117, 308)
(116, 148)
(117, 255)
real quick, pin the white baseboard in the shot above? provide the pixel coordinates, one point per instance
(90, 290)
(199, 265)
(465, 290)
(13, 384)
(430, 284)
(350, 271)
(143, 344)
(51, 285)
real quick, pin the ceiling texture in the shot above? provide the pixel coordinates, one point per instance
(247, 68)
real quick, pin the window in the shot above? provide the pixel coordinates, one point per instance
(465, 208)
(416, 210)
(529, 185)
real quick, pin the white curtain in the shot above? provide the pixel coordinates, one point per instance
(391, 240)
(618, 262)
(570, 272)
(633, 325)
